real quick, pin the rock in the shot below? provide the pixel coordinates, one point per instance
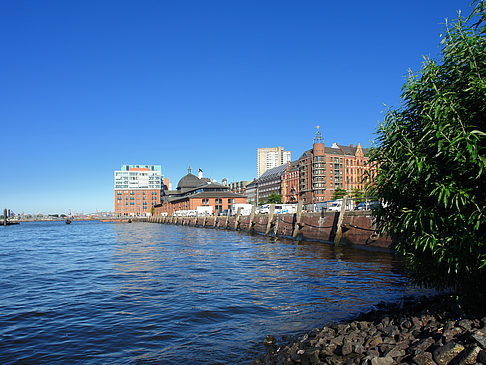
(424, 359)
(481, 357)
(372, 353)
(382, 361)
(406, 324)
(395, 352)
(480, 337)
(329, 349)
(312, 355)
(375, 341)
(338, 340)
(424, 344)
(445, 354)
(269, 340)
(347, 349)
(468, 356)
(466, 324)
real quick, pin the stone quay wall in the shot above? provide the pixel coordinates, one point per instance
(357, 227)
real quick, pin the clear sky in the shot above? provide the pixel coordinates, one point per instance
(86, 86)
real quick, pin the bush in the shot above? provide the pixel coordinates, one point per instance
(430, 159)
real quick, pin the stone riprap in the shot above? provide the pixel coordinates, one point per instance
(416, 331)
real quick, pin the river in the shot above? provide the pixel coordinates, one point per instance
(92, 292)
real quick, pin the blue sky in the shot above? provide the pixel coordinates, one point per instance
(86, 86)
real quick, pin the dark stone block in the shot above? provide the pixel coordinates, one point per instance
(445, 354)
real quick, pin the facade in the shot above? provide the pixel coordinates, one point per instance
(137, 189)
(268, 158)
(238, 187)
(252, 193)
(270, 183)
(321, 170)
(196, 191)
(291, 183)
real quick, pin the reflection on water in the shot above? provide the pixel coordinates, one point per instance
(127, 293)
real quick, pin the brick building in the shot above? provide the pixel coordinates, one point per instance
(137, 189)
(196, 191)
(321, 170)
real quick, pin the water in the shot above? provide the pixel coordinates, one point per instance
(94, 292)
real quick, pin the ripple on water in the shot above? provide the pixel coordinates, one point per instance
(95, 292)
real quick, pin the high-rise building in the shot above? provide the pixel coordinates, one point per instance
(270, 157)
(137, 189)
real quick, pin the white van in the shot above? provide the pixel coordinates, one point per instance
(245, 208)
(279, 209)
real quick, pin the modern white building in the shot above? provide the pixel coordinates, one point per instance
(137, 189)
(139, 177)
(270, 157)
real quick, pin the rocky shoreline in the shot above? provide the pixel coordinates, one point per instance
(418, 331)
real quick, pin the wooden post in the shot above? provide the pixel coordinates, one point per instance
(205, 218)
(339, 231)
(215, 224)
(237, 219)
(298, 217)
(275, 227)
(271, 213)
(227, 220)
(5, 217)
(252, 218)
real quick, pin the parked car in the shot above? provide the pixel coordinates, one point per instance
(367, 205)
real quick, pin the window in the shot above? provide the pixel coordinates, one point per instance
(219, 201)
(205, 202)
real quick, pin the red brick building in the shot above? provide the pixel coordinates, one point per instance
(193, 192)
(321, 170)
(137, 189)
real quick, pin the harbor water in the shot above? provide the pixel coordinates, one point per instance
(97, 293)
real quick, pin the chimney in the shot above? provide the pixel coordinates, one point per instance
(351, 145)
(200, 174)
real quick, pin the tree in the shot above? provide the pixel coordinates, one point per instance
(358, 195)
(431, 166)
(339, 193)
(274, 199)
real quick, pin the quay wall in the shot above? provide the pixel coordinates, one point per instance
(357, 227)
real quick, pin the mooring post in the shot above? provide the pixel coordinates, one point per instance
(275, 227)
(237, 219)
(298, 217)
(5, 217)
(215, 224)
(339, 231)
(271, 213)
(227, 220)
(252, 218)
(205, 218)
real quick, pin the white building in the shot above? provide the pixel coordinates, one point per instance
(270, 157)
(137, 189)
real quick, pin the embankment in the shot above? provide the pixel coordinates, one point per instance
(357, 226)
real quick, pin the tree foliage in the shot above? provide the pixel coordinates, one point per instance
(274, 199)
(358, 195)
(338, 193)
(431, 162)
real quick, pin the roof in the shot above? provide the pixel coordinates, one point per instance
(188, 181)
(205, 194)
(273, 173)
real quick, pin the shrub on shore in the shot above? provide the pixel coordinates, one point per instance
(431, 166)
